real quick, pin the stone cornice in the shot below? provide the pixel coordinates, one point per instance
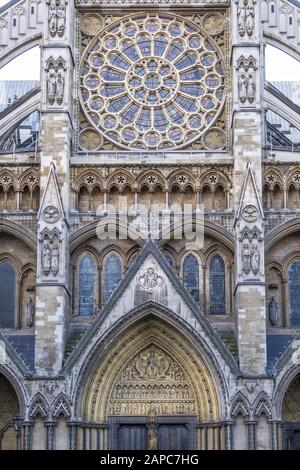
(150, 3)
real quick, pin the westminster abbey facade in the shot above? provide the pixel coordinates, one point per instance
(149, 227)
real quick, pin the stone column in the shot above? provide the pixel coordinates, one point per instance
(248, 136)
(52, 292)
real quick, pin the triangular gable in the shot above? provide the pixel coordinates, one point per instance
(249, 194)
(151, 281)
(52, 196)
(8, 355)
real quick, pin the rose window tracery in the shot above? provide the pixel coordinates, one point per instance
(152, 82)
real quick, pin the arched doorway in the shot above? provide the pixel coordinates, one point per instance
(291, 415)
(153, 390)
(10, 438)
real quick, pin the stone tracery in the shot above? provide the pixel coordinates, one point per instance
(150, 82)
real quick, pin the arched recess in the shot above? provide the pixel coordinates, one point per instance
(11, 406)
(151, 367)
(287, 398)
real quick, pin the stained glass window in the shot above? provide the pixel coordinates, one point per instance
(217, 286)
(191, 276)
(150, 72)
(112, 274)
(294, 293)
(87, 286)
(7, 295)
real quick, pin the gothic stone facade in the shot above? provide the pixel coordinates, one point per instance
(114, 338)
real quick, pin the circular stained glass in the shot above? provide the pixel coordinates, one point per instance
(152, 81)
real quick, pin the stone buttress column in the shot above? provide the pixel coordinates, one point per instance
(53, 296)
(248, 135)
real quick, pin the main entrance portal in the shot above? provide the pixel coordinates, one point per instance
(151, 390)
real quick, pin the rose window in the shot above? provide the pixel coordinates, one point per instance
(152, 82)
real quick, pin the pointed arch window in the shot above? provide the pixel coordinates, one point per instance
(87, 286)
(7, 295)
(191, 276)
(217, 304)
(294, 292)
(112, 274)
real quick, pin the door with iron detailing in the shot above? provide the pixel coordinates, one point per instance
(162, 433)
(132, 437)
(172, 437)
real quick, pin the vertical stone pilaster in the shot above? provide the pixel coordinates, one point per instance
(248, 123)
(52, 293)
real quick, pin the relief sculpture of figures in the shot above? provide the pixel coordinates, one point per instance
(243, 85)
(250, 17)
(46, 259)
(255, 260)
(29, 312)
(246, 14)
(241, 18)
(57, 18)
(247, 88)
(274, 312)
(246, 256)
(55, 88)
(55, 261)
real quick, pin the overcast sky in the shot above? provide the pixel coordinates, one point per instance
(279, 66)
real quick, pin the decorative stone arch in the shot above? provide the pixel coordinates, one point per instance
(131, 255)
(30, 178)
(151, 179)
(219, 178)
(17, 384)
(288, 260)
(261, 405)
(61, 406)
(273, 176)
(8, 178)
(20, 232)
(39, 406)
(281, 232)
(293, 177)
(82, 235)
(99, 377)
(183, 179)
(121, 178)
(240, 405)
(84, 178)
(216, 231)
(15, 51)
(111, 249)
(81, 251)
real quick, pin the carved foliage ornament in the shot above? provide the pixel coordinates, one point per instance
(250, 214)
(150, 280)
(51, 214)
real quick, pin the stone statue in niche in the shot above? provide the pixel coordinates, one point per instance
(241, 12)
(52, 18)
(250, 17)
(55, 87)
(246, 15)
(251, 88)
(57, 18)
(61, 18)
(60, 86)
(152, 437)
(29, 312)
(51, 87)
(247, 88)
(246, 259)
(55, 261)
(274, 312)
(243, 85)
(46, 258)
(255, 260)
